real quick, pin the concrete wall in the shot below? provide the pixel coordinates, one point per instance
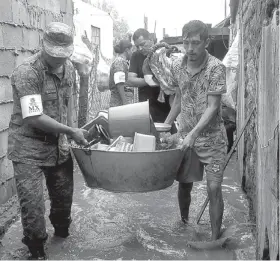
(253, 15)
(21, 27)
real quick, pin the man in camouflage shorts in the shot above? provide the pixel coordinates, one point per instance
(37, 137)
(202, 80)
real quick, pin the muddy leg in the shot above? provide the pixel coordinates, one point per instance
(184, 198)
(216, 207)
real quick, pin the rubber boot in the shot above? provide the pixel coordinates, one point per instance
(61, 232)
(37, 253)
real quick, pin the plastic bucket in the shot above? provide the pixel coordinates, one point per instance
(127, 119)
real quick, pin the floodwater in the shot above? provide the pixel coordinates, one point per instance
(140, 226)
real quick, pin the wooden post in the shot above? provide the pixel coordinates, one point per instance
(84, 86)
(163, 33)
(226, 162)
(73, 107)
(233, 10)
(268, 146)
(225, 9)
(279, 144)
(145, 22)
(83, 100)
(241, 99)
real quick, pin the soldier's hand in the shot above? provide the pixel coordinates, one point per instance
(79, 136)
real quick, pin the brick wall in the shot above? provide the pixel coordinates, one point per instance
(21, 27)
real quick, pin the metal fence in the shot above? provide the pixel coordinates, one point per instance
(101, 100)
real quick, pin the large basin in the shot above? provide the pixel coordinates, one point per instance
(128, 171)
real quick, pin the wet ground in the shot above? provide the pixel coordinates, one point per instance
(143, 226)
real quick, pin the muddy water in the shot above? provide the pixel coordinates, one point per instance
(138, 226)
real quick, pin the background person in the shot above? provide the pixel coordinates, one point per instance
(119, 73)
(143, 43)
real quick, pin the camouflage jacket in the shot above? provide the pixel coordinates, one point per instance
(31, 145)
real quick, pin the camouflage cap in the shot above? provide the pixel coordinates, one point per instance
(58, 40)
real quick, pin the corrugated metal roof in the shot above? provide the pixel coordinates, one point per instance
(224, 23)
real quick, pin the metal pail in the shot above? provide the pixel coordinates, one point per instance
(128, 171)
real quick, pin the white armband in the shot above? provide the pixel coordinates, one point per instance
(31, 105)
(119, 77)
(149, 80)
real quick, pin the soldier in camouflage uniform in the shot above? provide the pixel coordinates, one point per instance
(38, 137)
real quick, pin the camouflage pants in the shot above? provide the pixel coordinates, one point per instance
(29, 183)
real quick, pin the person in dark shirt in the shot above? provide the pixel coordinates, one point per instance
(143, 43)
